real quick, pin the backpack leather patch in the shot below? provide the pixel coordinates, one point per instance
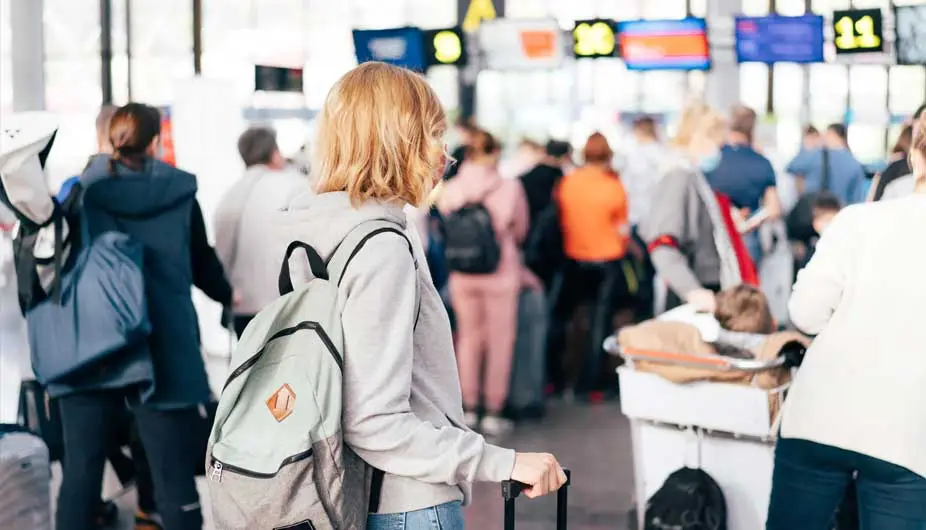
(282, 403)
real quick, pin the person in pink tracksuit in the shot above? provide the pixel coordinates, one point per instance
(486, 305)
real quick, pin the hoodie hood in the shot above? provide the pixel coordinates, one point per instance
(324, 220)
(472, 184)
(155, 188)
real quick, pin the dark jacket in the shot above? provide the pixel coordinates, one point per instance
(156, 207)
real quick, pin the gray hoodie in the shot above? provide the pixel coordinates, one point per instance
(403, 411)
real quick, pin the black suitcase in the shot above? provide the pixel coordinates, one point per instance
(511, 490)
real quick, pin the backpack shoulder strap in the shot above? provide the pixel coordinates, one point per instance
(356, 239)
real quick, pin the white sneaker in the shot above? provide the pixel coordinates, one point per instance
(495, 426)
(471, 419)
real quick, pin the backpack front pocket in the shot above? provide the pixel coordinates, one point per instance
(246, 500)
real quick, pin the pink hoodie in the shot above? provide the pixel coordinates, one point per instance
(507, 205)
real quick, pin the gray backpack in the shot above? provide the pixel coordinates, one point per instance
(276, 458)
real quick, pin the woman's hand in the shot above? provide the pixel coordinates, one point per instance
(539, 471)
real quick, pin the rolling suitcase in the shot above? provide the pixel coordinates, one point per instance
(511, 490)
(528, 370)
(25, 480)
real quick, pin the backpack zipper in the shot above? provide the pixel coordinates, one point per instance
(302, 326)
(218, 467)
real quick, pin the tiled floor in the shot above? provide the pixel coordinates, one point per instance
(593, 441)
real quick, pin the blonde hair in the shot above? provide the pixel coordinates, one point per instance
(704, 123)
(686, 125)
(380, 136)
(917, 155)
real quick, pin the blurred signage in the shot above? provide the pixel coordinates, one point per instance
(522, 44)
(594, 38)
(664, 44)
(910, 22)
(167, 154)
(400, 46)
(858, 31)
(777, 39)
(277, 79)
(445, 47)
(475, 12)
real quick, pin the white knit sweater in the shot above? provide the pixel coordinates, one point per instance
(862, 386)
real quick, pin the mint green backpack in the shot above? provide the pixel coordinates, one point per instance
(276, 458)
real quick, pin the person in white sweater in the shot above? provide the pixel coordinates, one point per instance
(251, 259)
(854, 412)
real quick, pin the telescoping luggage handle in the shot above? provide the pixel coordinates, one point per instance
(512, 489)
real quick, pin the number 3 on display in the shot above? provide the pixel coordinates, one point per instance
(858, 34)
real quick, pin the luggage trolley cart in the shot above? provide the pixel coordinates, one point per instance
(723, 428)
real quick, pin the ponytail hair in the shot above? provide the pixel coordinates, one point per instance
(132, 130)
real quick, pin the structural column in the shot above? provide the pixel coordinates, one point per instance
(723, 81)
(28, 54)
(470, 14)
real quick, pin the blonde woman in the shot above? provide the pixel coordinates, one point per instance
(690, 231)
(380, 147)
(852, 411)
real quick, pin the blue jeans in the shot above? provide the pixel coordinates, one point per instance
(447, 516)
(810, 480)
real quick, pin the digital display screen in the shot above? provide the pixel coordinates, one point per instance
(400, 47)
(911, 34)
(445, 47)
(522, 44)
(776, 39)
(664, 44)
(277, 79)
(858, 31)
(594, 38)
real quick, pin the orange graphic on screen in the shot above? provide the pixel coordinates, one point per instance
(664, 46)
(538, 44)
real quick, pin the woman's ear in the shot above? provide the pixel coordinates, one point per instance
(154, 147)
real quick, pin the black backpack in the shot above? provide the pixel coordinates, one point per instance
(470, 243)
(688, 500)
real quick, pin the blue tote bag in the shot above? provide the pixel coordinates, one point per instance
(102, 312)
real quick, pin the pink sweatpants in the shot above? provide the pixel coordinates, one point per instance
(487, 322)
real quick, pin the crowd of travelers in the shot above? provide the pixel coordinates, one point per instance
(518, 271)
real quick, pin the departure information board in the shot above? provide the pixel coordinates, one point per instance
(858, 31)
(664, 44)
(400, 46)
(777, 39)
(594, 38)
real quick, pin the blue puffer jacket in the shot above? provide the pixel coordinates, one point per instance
(156, 207)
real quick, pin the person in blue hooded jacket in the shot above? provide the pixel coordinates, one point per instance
(129, 191)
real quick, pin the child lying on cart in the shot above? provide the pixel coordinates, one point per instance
(684, 345)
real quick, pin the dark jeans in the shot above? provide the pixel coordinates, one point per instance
(598, 284)
(87, 424)
(811, 479)
(136, 468)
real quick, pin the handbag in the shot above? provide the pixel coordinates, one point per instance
(101, 310)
